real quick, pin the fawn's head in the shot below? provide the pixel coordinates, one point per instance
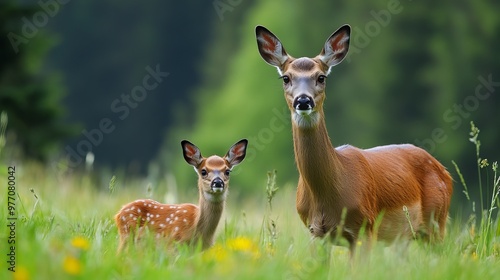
(304, 79)
(213, 172)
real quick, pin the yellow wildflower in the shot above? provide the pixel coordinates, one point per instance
(21, 273)
(221, 253)
(243, 244)
(80, 243)
(216, 253)
(72, 265)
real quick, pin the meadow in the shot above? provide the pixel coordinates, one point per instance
(64, 229)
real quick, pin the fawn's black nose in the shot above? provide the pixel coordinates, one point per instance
(303, 103)
(217, 184)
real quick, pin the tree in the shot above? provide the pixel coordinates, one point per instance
(31, 98)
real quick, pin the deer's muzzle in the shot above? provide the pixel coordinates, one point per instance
(217, 185)
(303, 104)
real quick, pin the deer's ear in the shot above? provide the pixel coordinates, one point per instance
(270, 48)
(336, 47)
(191, 153)
(237, 153)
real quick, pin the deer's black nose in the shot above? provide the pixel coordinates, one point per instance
(217, 184)
(303, 103)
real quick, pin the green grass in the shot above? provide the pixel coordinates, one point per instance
(65, 230)
(69, 230)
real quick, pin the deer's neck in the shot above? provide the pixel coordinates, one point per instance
(209, 217)
(316, 158)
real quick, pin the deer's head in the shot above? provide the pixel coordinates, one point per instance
(213, 172)
(304, 79)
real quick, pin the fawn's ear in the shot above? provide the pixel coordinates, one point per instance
(336, 47)
(191, 153)
(237, 153)
(270, 48)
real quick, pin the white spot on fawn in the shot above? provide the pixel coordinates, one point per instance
(133, 207)
(168, 219)
(171, 215)
(152, 222)
(157, 215)
(123, 218)
(131, 215)
(162, 225)
(176, 218)
(185, 220)
(184, 211)
(138, 210)
(135, 218)
(176, 229)
(155, 207)
(161, 208)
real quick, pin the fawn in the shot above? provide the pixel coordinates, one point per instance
(185, 223)
(364, 183)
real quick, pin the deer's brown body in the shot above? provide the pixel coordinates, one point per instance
(367, 183)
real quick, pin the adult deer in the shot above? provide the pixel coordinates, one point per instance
(366, 183)
(187, 223)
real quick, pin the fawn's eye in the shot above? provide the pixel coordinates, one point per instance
(286, 79)
(321, 79)
(203, 172)
(227, 172)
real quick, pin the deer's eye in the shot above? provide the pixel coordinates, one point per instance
(321, 79)
(227, 172)
(203, 172)
(286, 79)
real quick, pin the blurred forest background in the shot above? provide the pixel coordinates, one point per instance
(129, 80)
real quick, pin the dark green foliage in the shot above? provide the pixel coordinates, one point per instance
(29, 95)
